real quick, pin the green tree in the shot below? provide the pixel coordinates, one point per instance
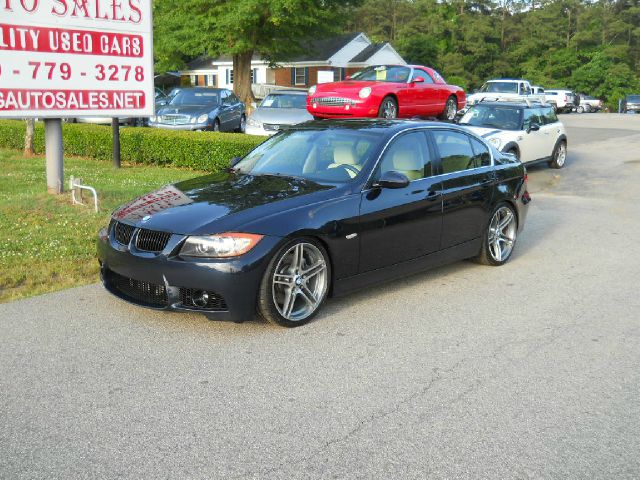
(273, 29)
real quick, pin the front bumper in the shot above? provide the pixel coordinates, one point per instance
(251, 130)
(168, 279)
(186, 126)
(357, 108)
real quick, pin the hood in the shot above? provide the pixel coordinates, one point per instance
(345, 87)
(191, 110)
(484, 132)
(281, 116)
(220, 202)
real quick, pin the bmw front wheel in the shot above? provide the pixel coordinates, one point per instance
(295, 284)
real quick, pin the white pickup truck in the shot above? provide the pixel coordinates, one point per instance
(506, 90)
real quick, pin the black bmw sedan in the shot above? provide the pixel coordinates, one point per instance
(317, 210)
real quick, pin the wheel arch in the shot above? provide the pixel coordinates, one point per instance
(512, 146)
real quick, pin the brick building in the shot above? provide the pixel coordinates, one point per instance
(325, 60)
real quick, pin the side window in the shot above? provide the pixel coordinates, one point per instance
(223, 96)
(233, 98)
(549, 115)
(530, 117)
(525, 89)
(481, 155)
(421, 73)
(408, 154)
(455, 151)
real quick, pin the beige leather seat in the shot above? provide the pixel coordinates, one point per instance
(344, 155)
(408, 162)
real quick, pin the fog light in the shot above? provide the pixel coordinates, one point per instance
(315, 105)
(200, 299)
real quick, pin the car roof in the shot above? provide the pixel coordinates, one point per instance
(288, 92)
(518, 104)
(391, 127)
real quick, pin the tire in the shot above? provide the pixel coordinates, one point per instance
(286, 276)
(513, 152)
(388, 108)
(216, 125)
(559, 155)
(450, 110)
(496, 239)
(242, 128)
(580, 109)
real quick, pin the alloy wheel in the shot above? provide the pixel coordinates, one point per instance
(389, 109)
(502, 234)
(299, 281)
(561, 156)
(451, 109)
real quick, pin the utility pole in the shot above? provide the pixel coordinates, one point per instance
(54, 155)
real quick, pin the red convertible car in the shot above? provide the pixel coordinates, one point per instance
(387, 91)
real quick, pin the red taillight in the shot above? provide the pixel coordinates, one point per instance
(526, 178)
(566, 99)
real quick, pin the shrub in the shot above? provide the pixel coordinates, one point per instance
(198, 150)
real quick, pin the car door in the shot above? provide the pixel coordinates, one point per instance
(226, 111)
(426, 95)
(467, 186)
(401, 224)
(550, 128)
(533, 144)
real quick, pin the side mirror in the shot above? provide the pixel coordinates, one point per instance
(392, 179)
(234, 161)
(418, 80)
(534, 127)
(348, 77)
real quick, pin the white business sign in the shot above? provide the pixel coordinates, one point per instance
(73, 58)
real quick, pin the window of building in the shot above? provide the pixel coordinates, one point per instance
(192, 78)
(229, 76)
(338, 74)
(300, 76)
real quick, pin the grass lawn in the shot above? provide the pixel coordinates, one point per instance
(46, 243)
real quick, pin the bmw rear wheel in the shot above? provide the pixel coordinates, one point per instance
(388, 108)
(500, 236)
(295, 284)
(559, 155)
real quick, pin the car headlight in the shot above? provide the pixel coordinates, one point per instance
(222, 245)
(496, 142)
(365, 92)
(254, 123)
(203, 118)
(312, 90)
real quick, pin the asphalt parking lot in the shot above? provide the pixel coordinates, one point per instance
(530, 370)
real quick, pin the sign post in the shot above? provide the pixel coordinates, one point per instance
(53, 151)
(68, 59)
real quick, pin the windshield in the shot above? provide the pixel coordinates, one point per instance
(499, 87)
(196, 97)
(504, 118)
(383, 73)
(633, 98)
(283, 100)
(324, 156)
